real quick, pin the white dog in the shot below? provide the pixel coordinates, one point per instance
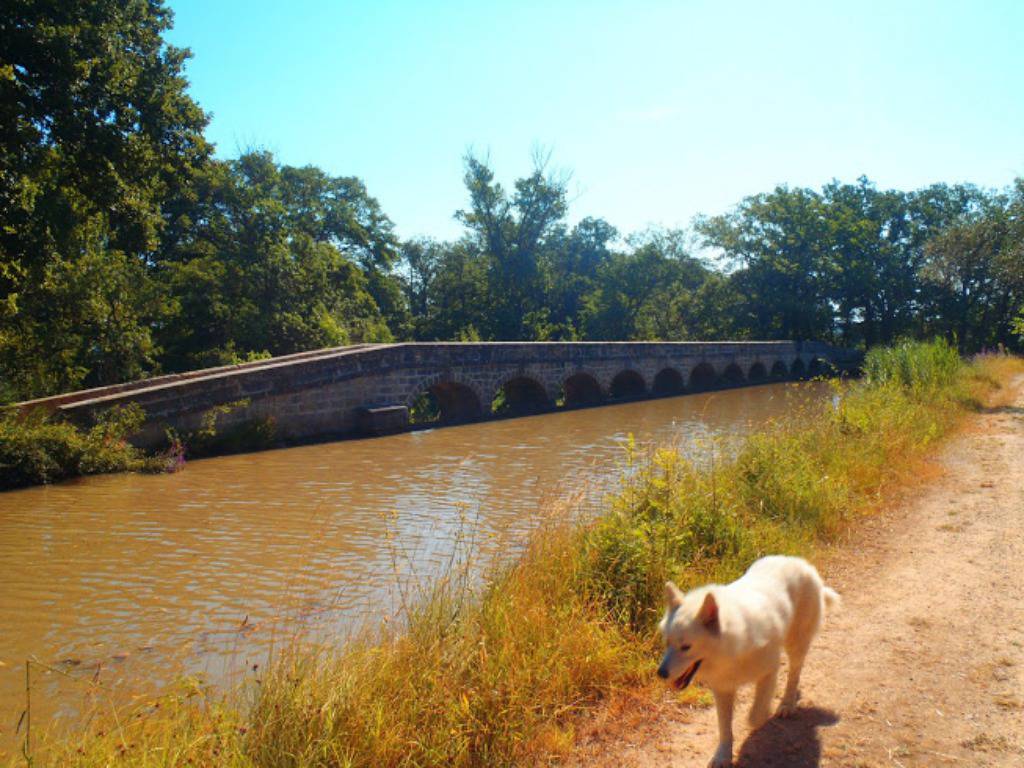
(727, 636)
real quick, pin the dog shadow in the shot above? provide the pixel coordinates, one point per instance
(1014, 410)
(791, 742)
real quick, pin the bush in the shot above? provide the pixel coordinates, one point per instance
(213, 438)
(40, 448)
(922, 368)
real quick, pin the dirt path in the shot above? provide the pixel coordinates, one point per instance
(924, 663)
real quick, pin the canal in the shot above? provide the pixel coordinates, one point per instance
(120, 584)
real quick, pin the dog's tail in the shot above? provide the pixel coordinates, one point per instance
(832, 598)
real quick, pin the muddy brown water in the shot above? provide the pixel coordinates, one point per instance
(121, 584)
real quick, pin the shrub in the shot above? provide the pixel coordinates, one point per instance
(41, 448)
(212, 438)
(922, 368)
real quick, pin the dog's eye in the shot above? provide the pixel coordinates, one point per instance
(684, 647)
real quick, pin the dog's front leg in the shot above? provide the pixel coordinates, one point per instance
(724, 704)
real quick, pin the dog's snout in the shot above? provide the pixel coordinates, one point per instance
(664, 666)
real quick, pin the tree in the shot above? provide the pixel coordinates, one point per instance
(420, 262)
(577, 258)
(126, 249)
(779, 243)
(96, 133)
(511, 233)
(646, 293)
(975, 269)
(874, 279)
(279, 260)
(446, 284)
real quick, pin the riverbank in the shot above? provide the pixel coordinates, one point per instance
(923, 665)
(497, 677)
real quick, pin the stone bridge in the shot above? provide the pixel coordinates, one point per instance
(372, 389)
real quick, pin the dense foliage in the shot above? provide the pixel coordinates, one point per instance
(127, 248)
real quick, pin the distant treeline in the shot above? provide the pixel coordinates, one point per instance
(127, 249)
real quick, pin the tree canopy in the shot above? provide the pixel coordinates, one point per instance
(128, 249)
(98, 138)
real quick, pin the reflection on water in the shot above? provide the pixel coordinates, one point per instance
(137, 578)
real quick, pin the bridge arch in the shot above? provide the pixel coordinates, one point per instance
(757, 372)
(779, 369)
(520, 395)
(733, 375)
(627, 384)
(443, 400)
(582, 389)
(668, 381)
(819, 367)
(798, 369)
(703, 377)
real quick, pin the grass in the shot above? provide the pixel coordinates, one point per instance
(497, 672)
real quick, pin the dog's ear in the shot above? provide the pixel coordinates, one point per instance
(708, 613)
(673, 597)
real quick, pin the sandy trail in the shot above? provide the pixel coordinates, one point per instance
(924, 663)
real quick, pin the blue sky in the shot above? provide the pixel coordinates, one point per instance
(661, 110)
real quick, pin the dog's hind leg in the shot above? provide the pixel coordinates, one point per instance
(760, 710)
(798, 643)
(796, 655)
(796, 651)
